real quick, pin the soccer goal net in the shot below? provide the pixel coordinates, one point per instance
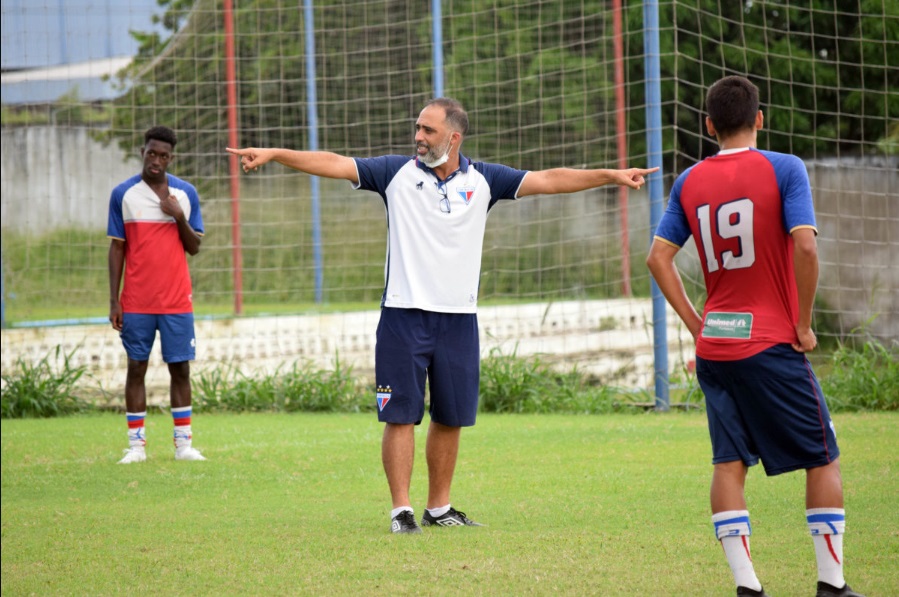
(546, 83)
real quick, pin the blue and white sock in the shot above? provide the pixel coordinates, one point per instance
(182, 433)
(136, 434)
(827, 526)
(733, 530)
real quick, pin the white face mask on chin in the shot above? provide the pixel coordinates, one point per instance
(438, 162)
(442, 159)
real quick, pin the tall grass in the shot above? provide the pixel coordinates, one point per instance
(47, 388)
(865, 377)
(299, 387)
(514, 384)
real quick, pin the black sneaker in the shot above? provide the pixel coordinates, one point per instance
(828, 590)
(404, 522)
(452, 518)
(747, 592)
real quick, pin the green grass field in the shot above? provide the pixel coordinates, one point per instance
(298, 505)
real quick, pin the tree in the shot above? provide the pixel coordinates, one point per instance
(823, 68)
(536, 76)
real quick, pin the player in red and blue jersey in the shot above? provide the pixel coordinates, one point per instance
(154, 217)
(750, 214)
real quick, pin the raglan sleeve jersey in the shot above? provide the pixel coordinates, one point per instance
(157, 279)
(435, 228)
(741, 208)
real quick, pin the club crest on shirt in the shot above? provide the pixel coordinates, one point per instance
(383, 395)
(466, 193)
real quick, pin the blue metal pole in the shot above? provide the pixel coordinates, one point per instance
(2, 295)
(312, 113)
(653, 85)
(437, 35)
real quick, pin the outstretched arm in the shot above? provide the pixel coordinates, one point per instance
(571, 180)
(317, 163)
(664, 270)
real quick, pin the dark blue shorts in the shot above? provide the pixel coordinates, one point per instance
(176, 334)
(414, 345)
(770, 407)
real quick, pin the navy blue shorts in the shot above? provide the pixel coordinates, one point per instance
(176, 334)
(415, 345)
(770, 407)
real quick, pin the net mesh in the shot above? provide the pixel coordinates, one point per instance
(537, 78)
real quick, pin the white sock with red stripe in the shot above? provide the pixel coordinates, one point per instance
(827, 526)
(136, 434)
(181, 419)
(733, 530)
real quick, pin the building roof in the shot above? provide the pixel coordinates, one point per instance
(59, 47)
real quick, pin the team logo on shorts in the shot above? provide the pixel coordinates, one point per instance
(466, 193)
(383, 396)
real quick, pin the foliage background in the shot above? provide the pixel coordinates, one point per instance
(525, 70)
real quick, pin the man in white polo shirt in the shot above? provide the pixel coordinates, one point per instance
(437, 203)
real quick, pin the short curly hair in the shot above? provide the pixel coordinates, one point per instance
(161, 133)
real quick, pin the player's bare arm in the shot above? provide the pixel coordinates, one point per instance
(317, 163)
(116, 268)
(805, 267)
(572, 180)
(661, 264)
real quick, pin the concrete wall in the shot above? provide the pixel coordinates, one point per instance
(857, 206)
(611, 340)
(58, 178)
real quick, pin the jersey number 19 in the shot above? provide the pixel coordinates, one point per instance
(732, 220)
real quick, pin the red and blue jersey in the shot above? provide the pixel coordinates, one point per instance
(741, 206)
(157, 280)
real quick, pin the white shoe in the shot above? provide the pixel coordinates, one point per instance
(188, 453)
(134, 454)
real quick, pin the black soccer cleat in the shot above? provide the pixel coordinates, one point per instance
(452, 518)
(828, 590)
(404, 522)
(747, 592)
